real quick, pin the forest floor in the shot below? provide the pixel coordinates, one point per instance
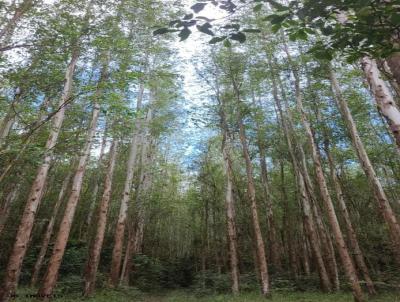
(186, 296)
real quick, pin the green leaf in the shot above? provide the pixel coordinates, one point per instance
(277, 19)
(395, 18)
(227, 43)
(275, 28)
(216, 40)
(160, 31)
(185, 33)
(251, 30)
(277, 6)
(239, 36)
(233, 25)
(258, 7)
(292, 37)
(205, 28)
(302, 35)
(188, 17)
(198, 7)
(174, 22)
(323, 55)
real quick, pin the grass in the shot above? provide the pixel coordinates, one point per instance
(130, 294)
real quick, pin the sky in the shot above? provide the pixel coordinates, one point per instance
(189, 140)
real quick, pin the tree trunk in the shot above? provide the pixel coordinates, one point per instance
(92, 205)
(309, 225)
(287, 226)
(7, 31)
(272, 236)
(351, 234)
(380, 196)
(96, 246)
(383, 97)
(259, 241)
(8, 121)
(123, 211)
(25, 228)
(251, 193)
(394, 64)
(229, 202)
(231, 221)
(5, 209)
(306, 254)
(304, 197)
(51, 275)
(340, 242)
(137, 229)
(49, 231)
(324, 240)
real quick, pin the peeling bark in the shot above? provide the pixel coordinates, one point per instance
(383, 97)
(25, 228)
(333, 221)
(97, 244)
(123, 211)
(49, 231)
(380, 195)
(50, 278)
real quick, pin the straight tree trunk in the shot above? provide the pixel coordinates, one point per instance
(50, 278)
(49, 231)
(96, 246)
(5, 209)
(323, 234)
(25, 228)
(351, 234)
(306, 254)
(7, 31)
(95, 191)
(251, 191)
(123, 211)
(8, 121)
(272, 236)
(326, 242)
(380, 195)
(136, 231)
(231, 221)
(309, 222)
(289, 236)
(340, 242)
(394, 64)
(229, 202)
(383, 97)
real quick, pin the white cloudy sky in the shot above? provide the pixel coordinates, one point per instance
(195, 92)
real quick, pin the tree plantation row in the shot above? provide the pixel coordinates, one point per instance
(269, 161)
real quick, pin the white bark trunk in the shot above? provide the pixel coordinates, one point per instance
(383, 97)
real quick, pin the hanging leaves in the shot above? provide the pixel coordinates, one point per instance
(216, 40)
(251, 30)
(160, 31)
(239, 36)
(184, 33)
(198, 7)
(188, 17)
(205, 28)
(258, 7)
(227, 43)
